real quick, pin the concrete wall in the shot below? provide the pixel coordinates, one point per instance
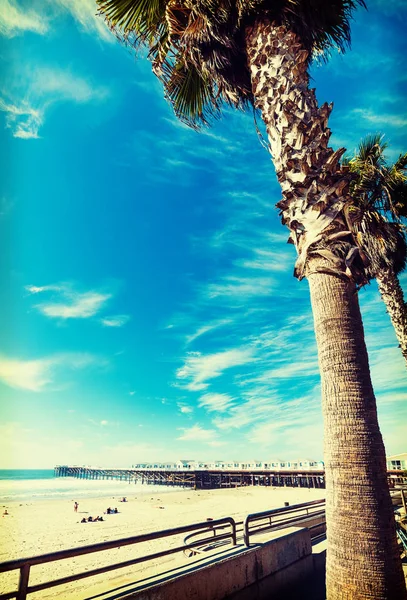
(271, 565)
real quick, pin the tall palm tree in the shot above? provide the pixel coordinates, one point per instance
(256, 53)
(379, 193)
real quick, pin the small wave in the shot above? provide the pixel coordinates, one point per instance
(70, 487)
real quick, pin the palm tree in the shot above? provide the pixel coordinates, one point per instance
(379, 193)
(244, 53)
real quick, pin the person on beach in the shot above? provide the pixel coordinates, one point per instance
(5, 513)
(84, 520)
(75, 507)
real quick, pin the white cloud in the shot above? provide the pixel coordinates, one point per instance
(36, 289)
(70, 304)
(184, 409)
(267, 260)
(294, 439)
(116, 321)
(198, 369)
(382, 119)
(234, 286)
(104, 422)
(15, 20)
(37, 375)
(26, 105)
(198, 434)
(24, 120)
(84, 12)
(64, 85)
(290, 370)
(206, 328)
(81, 306)
(216, 402)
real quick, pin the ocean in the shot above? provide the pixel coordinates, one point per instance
(40, 484)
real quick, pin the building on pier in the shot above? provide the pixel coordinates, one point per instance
(234, 465)
(397, 462)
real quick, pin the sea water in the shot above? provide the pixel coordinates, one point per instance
(41, 484)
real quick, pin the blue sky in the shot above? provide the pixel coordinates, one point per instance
(148, 309)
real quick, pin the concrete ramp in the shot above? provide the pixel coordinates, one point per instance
(275, 564)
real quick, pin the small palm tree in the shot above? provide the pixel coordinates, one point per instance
(256, 53)
(379, 200)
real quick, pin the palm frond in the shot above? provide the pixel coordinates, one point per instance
(208, 37)
(321, 25)
(140, 17)
(191, 95)
(401, 163)
(379, 197)
(384, 243)
(371, 150)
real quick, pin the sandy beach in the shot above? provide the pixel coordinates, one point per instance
(34, 528)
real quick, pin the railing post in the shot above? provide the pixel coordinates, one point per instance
(246, 532)
(234, 536)
(23, 583)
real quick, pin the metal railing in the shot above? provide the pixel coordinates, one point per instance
(401, 534)
(25, 564)
(277, 518)
(203, 544)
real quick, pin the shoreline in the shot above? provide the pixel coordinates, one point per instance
(84, 495)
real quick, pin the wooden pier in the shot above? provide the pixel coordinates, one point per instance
(211, 479)
(199, 479)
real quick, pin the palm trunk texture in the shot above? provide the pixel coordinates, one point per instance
(363, 557)
(392, 296)
(363, 561)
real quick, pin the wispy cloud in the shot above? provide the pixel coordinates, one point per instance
(198, 369)
(84, 13)
(26, 105)
(116, 321)
(14, 20)
(185, 409)
(198, 434)
(40, 18)
(71, 304)
(39, 374)
(216, 402)
(393, 120)
(233, 286)
(206, 329)
(36, 289)
(23, 120)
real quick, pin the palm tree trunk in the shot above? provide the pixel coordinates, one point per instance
(392, 296)
(362, 560)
